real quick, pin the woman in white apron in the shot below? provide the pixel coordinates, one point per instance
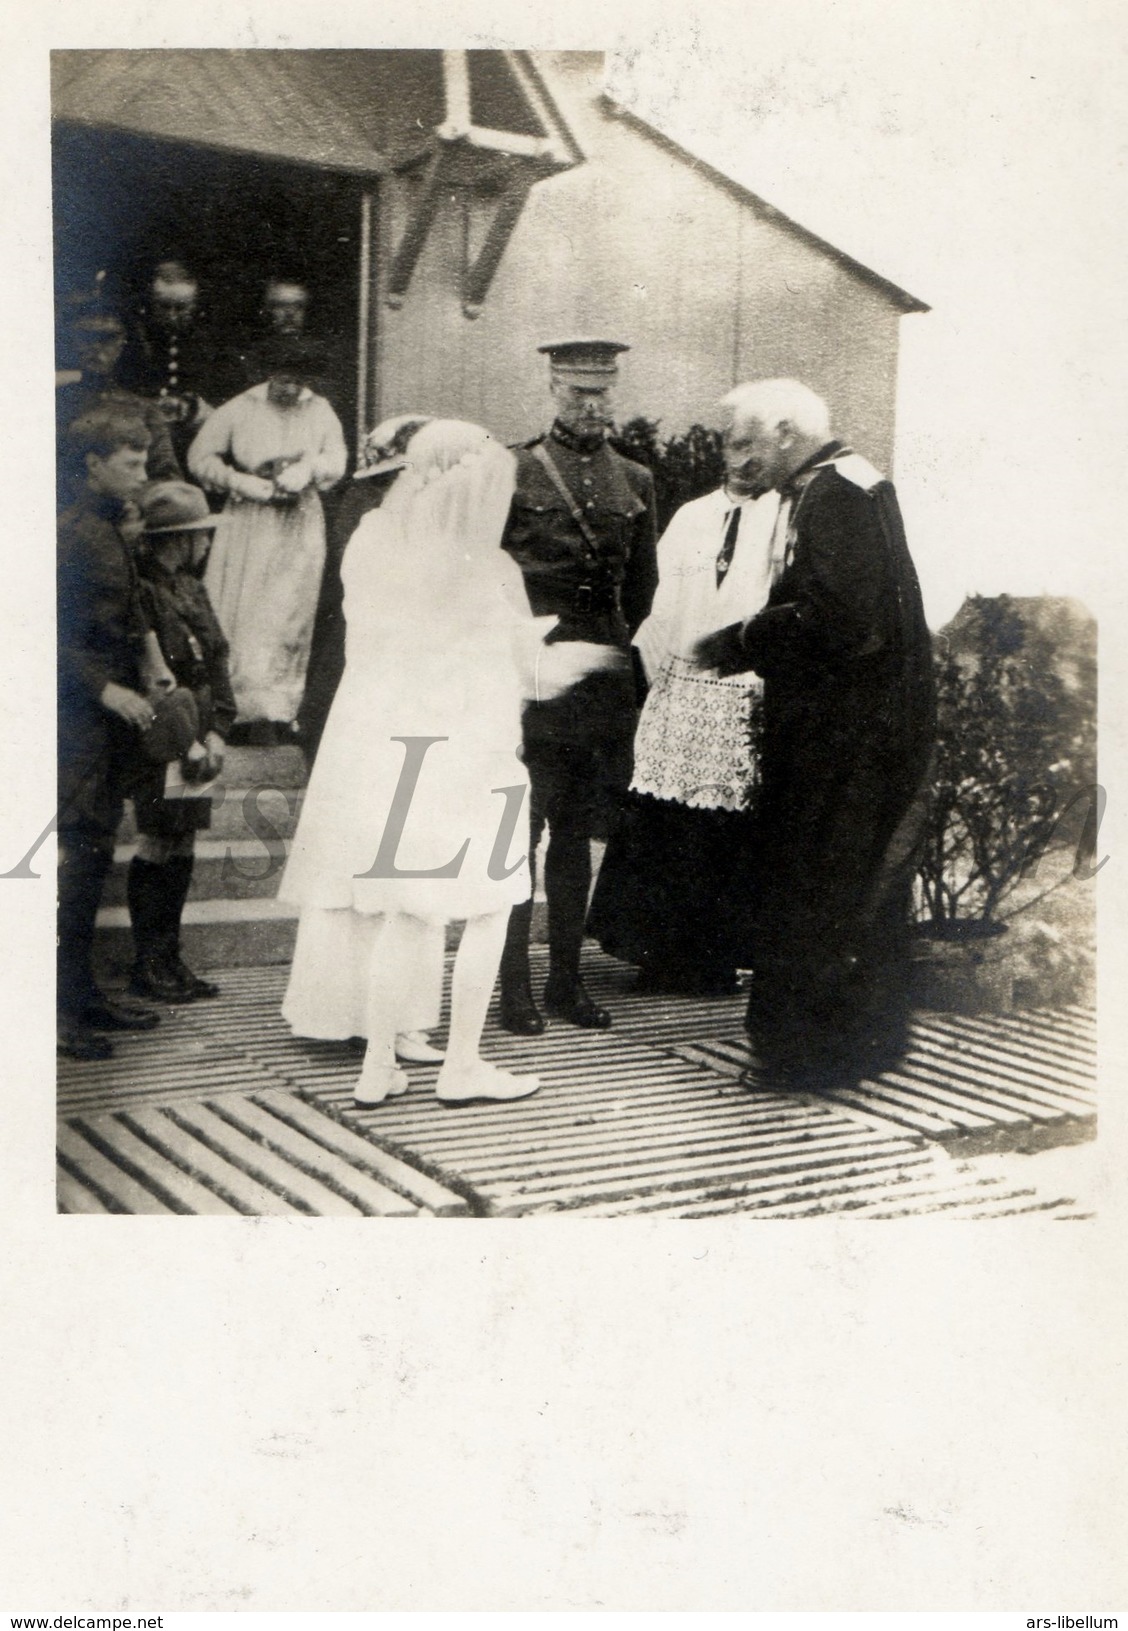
(273, 450)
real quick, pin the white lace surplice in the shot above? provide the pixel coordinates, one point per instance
(697, 739)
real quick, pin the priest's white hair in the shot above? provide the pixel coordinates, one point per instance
(777, 401)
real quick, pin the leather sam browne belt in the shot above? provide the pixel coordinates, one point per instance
(593, 596)
(596, 597)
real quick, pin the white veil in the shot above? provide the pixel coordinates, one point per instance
(441, 526)
(429, 564)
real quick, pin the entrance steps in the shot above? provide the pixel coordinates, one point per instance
(233, 917)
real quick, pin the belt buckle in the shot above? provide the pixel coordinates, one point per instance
(582, 601)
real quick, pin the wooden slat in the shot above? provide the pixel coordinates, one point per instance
(354, 1185)
(1035, 1028)
(667, 1110)
(981, 1084)
(591, 1156)
(909, 1092)
(149, 1166)
(514, 1203)
(244, 1192)
(927, 1172)
(511, 1198)
(914, 1110)
(71, 1196)
(305, 1192)
(352, 1147)
(657, 1110)
(1017, 1056)
(120, 1192)
(1009, 1054)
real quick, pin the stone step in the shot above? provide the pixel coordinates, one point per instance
(226, 869)
(244, 813)
(259, 795)
(232, 933)
(214, 934)
(265, 767)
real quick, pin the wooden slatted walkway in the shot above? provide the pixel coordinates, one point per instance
(266, 1155)
(997, 1083)
(221, 1110)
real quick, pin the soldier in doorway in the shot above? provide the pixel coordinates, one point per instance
(285, 302)
(173, 358)
(96, 339)
(583, 530)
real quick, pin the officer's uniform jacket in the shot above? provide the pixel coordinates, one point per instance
(599, 590)
(186, 373)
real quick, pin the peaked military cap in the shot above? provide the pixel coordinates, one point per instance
(587, 361)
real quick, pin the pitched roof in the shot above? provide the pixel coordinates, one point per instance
(356, 110)
(899, 297)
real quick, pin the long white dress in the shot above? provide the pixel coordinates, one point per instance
(433, 644)
(264, 572)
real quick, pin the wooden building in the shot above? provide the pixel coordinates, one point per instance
(451, 209)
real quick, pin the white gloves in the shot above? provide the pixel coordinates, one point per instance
(255, 488)
(558, 667)
(294, 478)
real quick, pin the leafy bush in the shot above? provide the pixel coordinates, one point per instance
(1016, 744)
(684, 467)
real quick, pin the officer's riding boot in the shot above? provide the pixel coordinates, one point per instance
(149, 890)
(179, 871)
(518, 1012)
(567, 878)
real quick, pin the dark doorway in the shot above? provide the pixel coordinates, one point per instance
(123, 202)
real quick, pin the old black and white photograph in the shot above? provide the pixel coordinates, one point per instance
(495, 678)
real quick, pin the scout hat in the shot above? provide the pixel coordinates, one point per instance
(382, 450)
(174, 506)
(584, 362)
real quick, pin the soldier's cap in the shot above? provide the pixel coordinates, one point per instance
(174, 506)
(96, 322)
(584, 362)
(382, 450)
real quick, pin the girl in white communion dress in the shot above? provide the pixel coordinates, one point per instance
(417, 791)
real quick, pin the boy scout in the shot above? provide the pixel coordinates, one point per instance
(583, 529)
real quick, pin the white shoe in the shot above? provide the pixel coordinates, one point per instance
(482, 1083)
(382, 1082)
(413, 1048)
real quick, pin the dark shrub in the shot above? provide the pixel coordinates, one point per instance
(684, 467)
(1016, 748)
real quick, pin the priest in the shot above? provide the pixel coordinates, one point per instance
(849, 707)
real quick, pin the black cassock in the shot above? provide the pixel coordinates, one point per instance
(823, 887)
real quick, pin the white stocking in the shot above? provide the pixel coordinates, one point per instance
(384, 1001)
(472, 983)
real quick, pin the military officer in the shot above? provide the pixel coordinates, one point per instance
(583, 529)
(173, 358)
(97, 339)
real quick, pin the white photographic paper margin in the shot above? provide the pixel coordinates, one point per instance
(547, 1414)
